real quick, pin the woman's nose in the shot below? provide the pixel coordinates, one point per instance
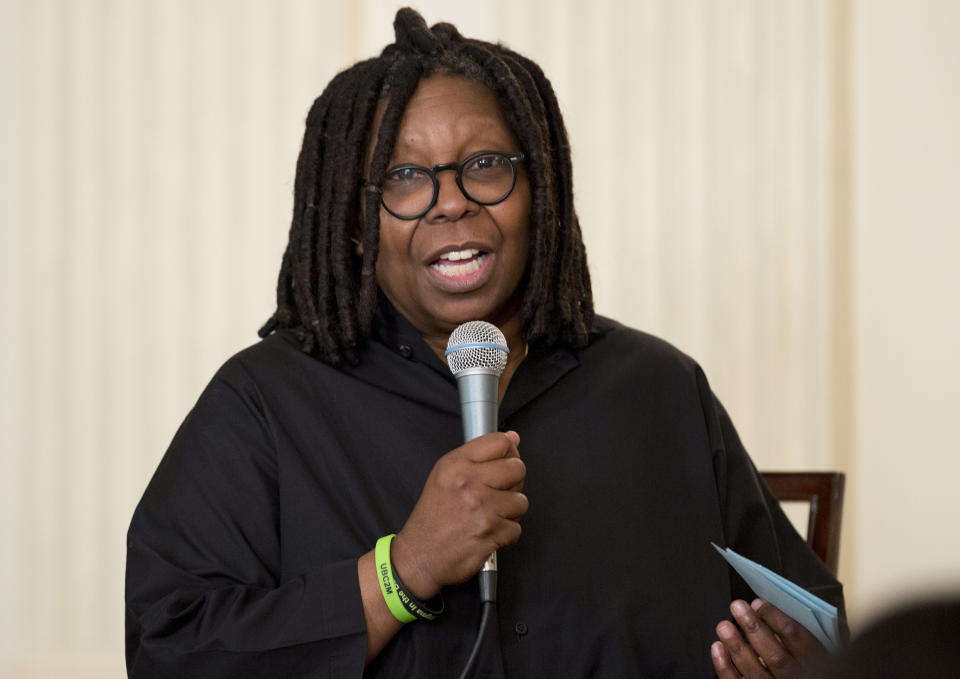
(452, 203)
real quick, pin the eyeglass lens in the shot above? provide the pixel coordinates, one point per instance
(485, 178)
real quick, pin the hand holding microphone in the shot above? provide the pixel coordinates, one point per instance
(468, 508)
(471, 502)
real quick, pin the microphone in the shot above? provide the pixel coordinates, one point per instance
(477, 354)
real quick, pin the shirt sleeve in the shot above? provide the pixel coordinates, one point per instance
(204, 591)
(754, 524)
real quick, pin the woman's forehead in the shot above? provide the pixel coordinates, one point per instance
(444, 89)
(447, 100)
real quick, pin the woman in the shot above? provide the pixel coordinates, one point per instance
(434, 187)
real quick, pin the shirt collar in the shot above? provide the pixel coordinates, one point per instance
(541, 369)
(398, 335)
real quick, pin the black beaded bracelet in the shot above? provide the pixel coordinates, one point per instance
(423, 611)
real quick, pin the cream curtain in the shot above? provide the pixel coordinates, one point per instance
(149, 150)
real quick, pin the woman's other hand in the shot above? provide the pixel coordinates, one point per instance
(771, 644)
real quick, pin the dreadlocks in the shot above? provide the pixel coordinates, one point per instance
(325, 292)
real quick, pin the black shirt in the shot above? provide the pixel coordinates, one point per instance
(242, 553)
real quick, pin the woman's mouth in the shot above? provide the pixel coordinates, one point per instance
(459, 263)
(460, 271)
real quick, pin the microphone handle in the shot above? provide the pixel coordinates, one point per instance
(478, 388)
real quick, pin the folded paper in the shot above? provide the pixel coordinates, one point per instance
(819, 617)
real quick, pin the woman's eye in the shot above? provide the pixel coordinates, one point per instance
(487, 168)
(407, 175)
(490, 162)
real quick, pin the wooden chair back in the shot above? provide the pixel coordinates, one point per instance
(823, 491)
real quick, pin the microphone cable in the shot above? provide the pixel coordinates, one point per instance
(488, 608)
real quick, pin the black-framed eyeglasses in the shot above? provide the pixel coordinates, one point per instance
(486, 178)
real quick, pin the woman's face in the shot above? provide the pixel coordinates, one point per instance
(460, 261)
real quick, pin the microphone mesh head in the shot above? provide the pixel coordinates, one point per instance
(477, 344)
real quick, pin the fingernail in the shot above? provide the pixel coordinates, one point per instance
(725, 630)
(514, 436)
(740, 608)
(715, 650)
(756, 604)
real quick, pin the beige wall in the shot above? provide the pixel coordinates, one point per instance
(905, 153)
(770, 185)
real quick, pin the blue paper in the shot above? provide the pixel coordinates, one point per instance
(819, 617)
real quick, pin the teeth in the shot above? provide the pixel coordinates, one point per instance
(454, 270)
(457, 255)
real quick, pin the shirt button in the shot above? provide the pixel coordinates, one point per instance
(406, 350)
(520, 629)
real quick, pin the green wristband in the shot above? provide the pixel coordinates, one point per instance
(387, 585)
